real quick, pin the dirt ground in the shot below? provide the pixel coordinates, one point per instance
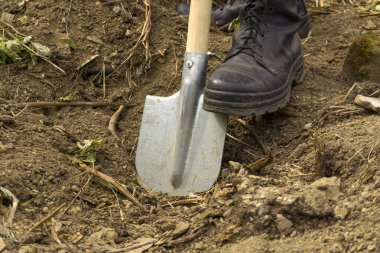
(319, 192)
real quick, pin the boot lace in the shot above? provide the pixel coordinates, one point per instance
(251, 29)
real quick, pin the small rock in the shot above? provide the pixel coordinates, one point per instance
(27, 249)
(341, 212)
(103, 235)
(370, 25)
(235, 165)
(75, 210)
(371, 247)
(329, 185)
(75, 188)
(336, 248)
(283, 224)
(308, 126)
(7, 17)
(116, 9)
(181, 229)
(286, 200)
(362, 246)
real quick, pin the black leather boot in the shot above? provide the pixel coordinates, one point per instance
(223, 15)
(266, 58)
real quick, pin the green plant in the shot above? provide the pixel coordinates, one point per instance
(67, 98)
(16, 50)
(235, 24)
(85, 151)
(69, 41)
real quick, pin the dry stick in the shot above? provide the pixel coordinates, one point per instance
(239, 141)
(113, 121)
(255, 134)
(34, 53)
(7, 193)
(77, 195)
(14, 29)
(104, 80)
(182, 202)
(349, 91)
(113, 182)
(143, 38)
(63, 104)
(132, 247)
(48, 217)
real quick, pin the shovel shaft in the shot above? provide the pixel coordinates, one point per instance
(199, 26)
(193, 81)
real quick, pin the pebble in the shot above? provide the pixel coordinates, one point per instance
(361, 246)
(308, 126)
(283, 224)
(370, 25)
(75, 188)
(341, 212)
(371, 247)
(235, 165)
(116, 9)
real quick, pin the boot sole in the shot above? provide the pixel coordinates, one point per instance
(257, 105)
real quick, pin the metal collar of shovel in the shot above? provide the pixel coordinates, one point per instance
(180, 145)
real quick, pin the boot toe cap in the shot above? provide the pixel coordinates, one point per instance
(239, 80)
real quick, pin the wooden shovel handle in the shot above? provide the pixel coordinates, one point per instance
(199, 26)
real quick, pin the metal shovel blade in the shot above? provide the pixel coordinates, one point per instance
(180, 145)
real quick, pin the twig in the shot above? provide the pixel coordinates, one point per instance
(199, 231)
(14, 29)
(48, 217)
(111, 181)
(63, 104)
(113, 121)
(61, 129)
(143, 38)
(17, 114)
(77, 195)
(181, 202)
(255, 134)
(7, 193)
(104, 80)
(132, 247)
(67, 18)
(349, 91)
(239, 141)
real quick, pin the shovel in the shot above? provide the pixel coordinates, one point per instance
(180, 146)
